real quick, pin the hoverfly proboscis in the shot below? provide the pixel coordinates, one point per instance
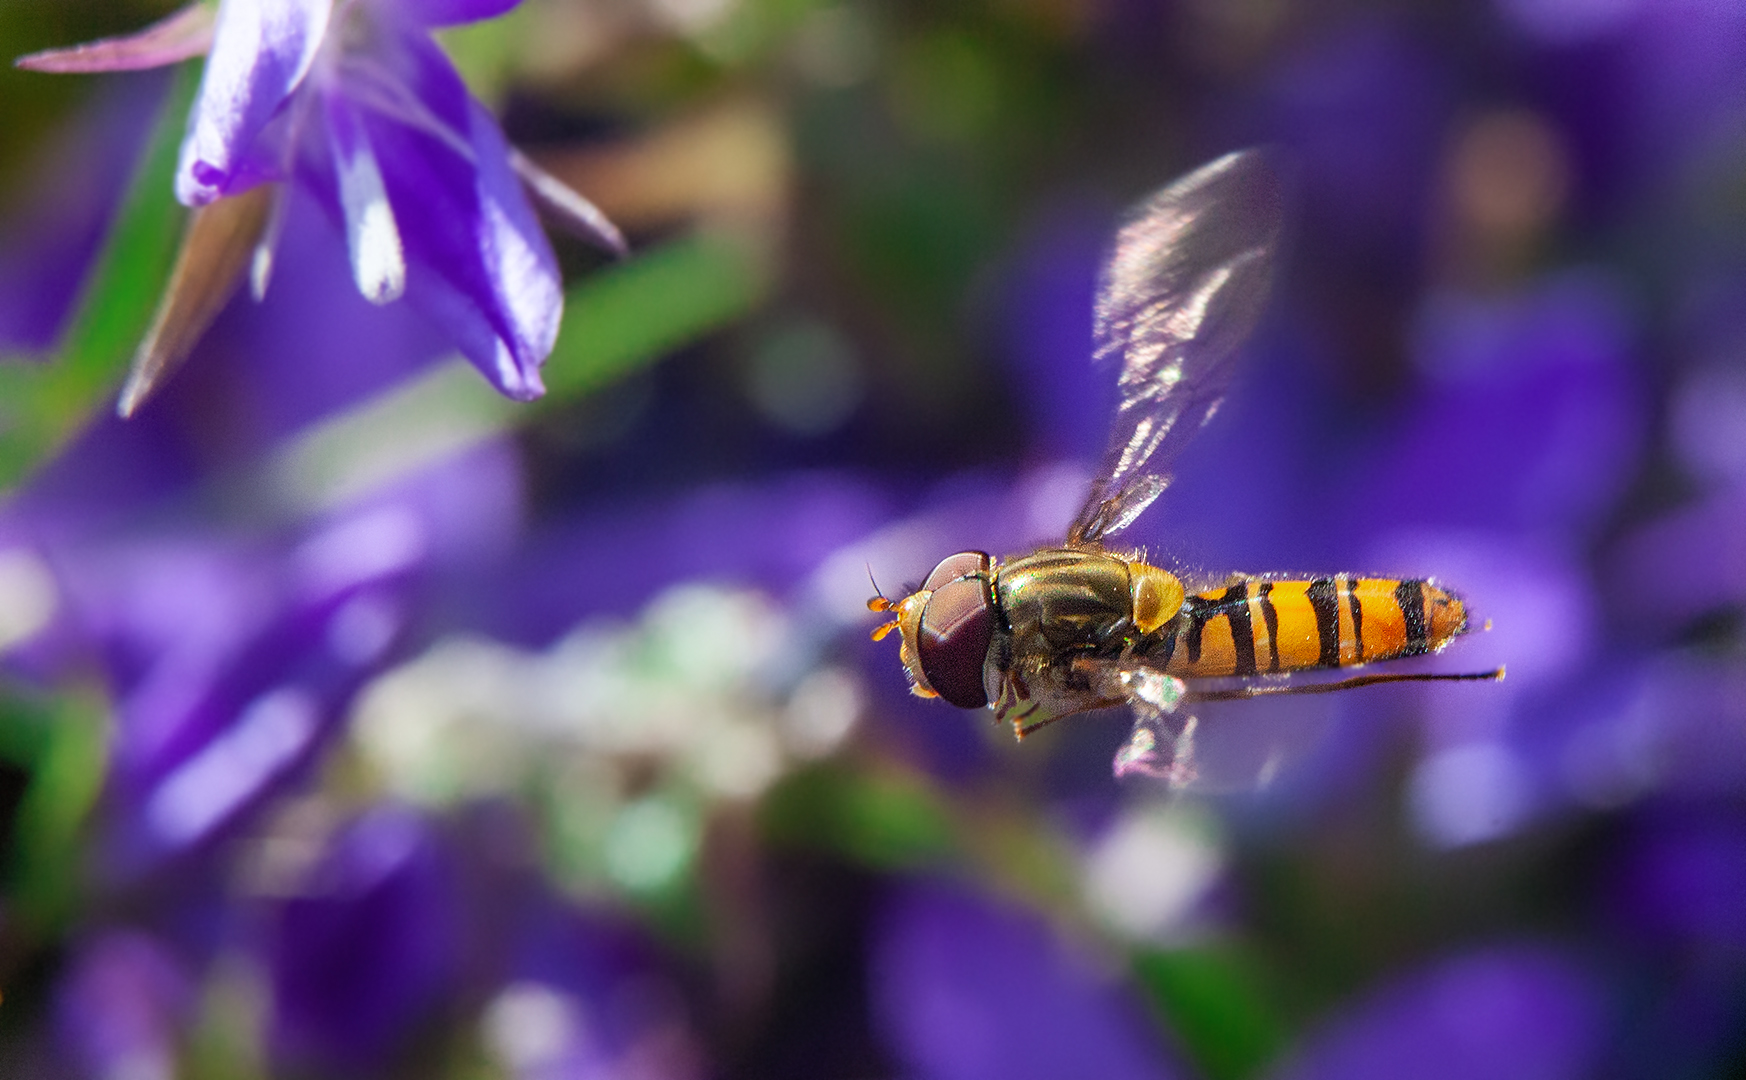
(1077, 626)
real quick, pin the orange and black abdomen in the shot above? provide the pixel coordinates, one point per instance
(1263, 627)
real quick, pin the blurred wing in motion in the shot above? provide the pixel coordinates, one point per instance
(1162, 743)
(1184, 286)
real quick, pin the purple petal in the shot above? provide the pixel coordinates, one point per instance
(517, 257)
(261, 52)
(1678, 883)
(972, 990)
(57, 216)
(1508, 1014)
(570, 967)
(450, 12)
(122, 1006)
(186, 34)
(1535, 416)
(478, 263)
(360, 953)
(247, 673)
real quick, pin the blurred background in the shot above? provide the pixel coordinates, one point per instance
(357, 722)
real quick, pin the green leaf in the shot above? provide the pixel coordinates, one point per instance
(887, 820)
(615, 322)
(67, 777)
(1213, 1000)
(620, 320)
(42, 406)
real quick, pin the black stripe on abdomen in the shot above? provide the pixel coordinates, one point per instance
(1270, 616)
(1410, 595)
(1236, 606)
(1197, 617)
(1324, 599)
(1357, 619)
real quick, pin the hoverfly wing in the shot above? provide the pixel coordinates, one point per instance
(1187, 738)
(1184, 285)
(1161, 745)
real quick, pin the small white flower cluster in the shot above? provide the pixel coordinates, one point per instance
(624, 734)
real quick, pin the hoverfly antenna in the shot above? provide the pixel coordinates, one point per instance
(879, 601)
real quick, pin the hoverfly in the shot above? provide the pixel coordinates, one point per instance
(1079, 626)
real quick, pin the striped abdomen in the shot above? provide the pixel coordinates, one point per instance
(1259, 627)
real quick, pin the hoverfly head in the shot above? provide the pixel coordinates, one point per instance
(946, 627)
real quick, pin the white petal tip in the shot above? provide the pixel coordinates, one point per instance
(378, 261)
(260, 274)
(139, 387)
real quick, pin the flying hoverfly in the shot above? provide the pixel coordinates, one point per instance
(1079, 626)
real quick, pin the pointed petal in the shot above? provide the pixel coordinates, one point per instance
(186, 34)
(568, 207)
(478, 263)
(373, 239)
(261, 51)
(515, 253)
(450, 12)
(214, 252)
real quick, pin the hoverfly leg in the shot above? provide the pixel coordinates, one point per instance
(1020, 730)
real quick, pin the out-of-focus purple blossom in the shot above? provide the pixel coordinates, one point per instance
(1513, 1013)
(1670, 898)
(585, 997)
(232, 658)
(53, 231)
(1651, 89)
(1708, 416)
(356, 102)
(122, 1004)
(359, 954)
(1696, 558)
(966, 988)
(232, 652)
(404, 924)
(1362, 108)
(1047, 336)
(1533, 418)
(1629, 724)
(226, 692)
(1676, 882)
(772, 535)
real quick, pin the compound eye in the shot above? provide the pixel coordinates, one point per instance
(953, 567)
(956, 627)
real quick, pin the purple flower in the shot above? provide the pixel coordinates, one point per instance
(969, 989)
(121, 1005)
(584, 994)
(356, 103)
(1505, 1013)
(1534, 418)
(1677, 881)
(232, 668)
(51, 236)
(364, 948)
